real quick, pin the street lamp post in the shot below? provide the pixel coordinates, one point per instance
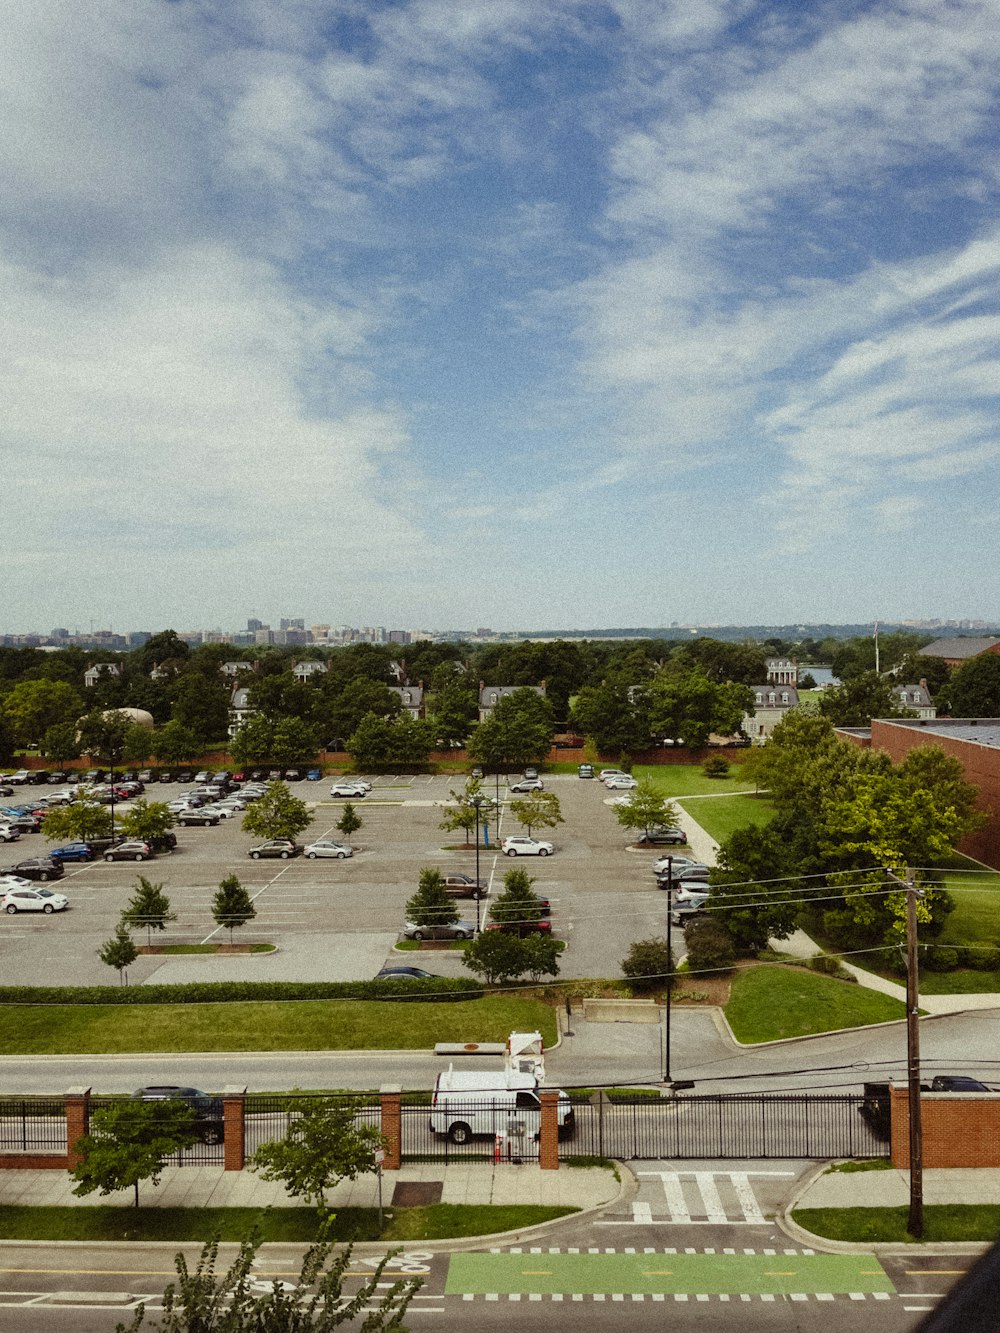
(477, 801)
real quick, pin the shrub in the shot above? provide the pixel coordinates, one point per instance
(237, 992)
(710, 946)
(648, 965)
(981, 957)
(716, 767)
(940, 958)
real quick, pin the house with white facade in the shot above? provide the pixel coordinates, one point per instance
(94, 673)
(771, 704)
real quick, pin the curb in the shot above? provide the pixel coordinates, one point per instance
(801, 1236)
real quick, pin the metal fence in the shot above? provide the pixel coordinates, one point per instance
(33, 1124)
(467, 1131)
(207, 1150)
(267, 1117)
(739, 1126)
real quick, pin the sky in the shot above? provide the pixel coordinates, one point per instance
(513, 313)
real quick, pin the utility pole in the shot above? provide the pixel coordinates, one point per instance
(915, 1224)
(670, 971)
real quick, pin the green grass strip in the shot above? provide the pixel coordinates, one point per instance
(109, 1222)
(770, 1003)
(293, 1025)
(866, 1226)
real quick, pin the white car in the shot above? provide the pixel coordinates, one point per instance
(355, 790)
(620, 782)
(606, 773)
(32, 900)
(8, 833)
(327, 847)
(8, 882)
(518, 846)
(663, 863)
(527, 784)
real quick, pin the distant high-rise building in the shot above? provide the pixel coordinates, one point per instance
(298, 623)
(254, 625)
(400, 636)
(320, 633)
(263, 635)
(59, 634)
(138, 637)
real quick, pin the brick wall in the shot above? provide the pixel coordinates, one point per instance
(981, 765)
(958, 1129)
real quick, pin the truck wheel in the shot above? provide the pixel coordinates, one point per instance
(460, 1133)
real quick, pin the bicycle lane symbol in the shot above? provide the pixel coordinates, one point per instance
(412, 1263)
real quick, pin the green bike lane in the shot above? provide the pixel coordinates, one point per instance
(669, 1273)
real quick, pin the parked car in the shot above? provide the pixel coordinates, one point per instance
(527, 784)
(327, 847)
(606, 773)
(519, 846)
(8, 833)
(185, 775)
(19, 779)
(676, 860)
(208, 1123)
(314, 775)
(689, 910)
(464, 886)
(145, 775)
(293, 775)
(57, 777)
(5, 790)
(132, 849)
(957, 1083)
(73, 851)
(531, 772)
(32, 900)
(457, 930)
(38, 867)
(352, 790)
(163, 842)
(405, 974)
(203, 775)
(165, 775)
(281, 847)
(585, 771)
(621, 782)
(522, 928)
(662, 837)
(686, 874)
(203, 817)
(477, 771)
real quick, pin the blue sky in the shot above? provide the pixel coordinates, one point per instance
(454, 312)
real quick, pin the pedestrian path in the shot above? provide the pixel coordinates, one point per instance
(689, 1198)
(762, 1275)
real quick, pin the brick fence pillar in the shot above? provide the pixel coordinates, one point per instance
(391, 1098)
(234, 1101)
(77, 1123)
(548, 1136)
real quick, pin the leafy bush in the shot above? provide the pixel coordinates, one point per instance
(981, 957)
(648, 964)
(710, 946)
(716, 767)
(939, 958)
(825, 963)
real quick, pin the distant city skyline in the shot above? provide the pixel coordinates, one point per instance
(589, 312)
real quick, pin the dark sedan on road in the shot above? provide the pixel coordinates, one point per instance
(37, 867)
(280, 847)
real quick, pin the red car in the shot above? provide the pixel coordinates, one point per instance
(522, 928)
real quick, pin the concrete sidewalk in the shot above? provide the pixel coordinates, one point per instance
(891, 1188)
(212, 1187)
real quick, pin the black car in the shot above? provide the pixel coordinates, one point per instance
(57, 777)
(38, 867)
(163, 842)
(405, 974)
(165, 775)
(5, 790)
(41, 775)
(957, 1083)
(185, 776)
(190, 818)
(662, 837)
(293, 775)
(208, 1123)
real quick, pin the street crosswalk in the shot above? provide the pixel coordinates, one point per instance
(690, 1198)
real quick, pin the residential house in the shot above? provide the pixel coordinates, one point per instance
(239, 709)
(917, 698)
(303, 671)
(94, 673)
(233, 669)
(490, 696)
(782, 671)
(771, 704)
(412, 699)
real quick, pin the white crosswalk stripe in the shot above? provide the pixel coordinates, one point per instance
(693, 1197)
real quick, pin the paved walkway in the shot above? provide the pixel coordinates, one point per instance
(891, 1189)
(212, 1187)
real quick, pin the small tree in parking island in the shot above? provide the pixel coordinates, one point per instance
(518, 901)
(500, 958)
(431, 904)
(322, 1145)
(129, 1142)
(147, 819)
(78, 822)
(119, 952)
(149, 906)
(461, 812)
(646, 808)
(540, 810)
(201, 1302)
(232, 906)
(278, 814)
(349, 822)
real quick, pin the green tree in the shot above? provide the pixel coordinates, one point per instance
(148, 907)
(431, 905)
(278, 814)
(102, 734)
(647, 808)
(378, 741)
(322, 1145)
(519, 731)
(975, 687)
(60, 743)
(175, 743)
(453, 714)
(138, 744)
(518, 901)
(716, 766)
(497, 957)
(539, 810)
(32, 706)
(649, 965)
(119, 952)
(541, 955)
(754, 888)
(201, 704)
(81, 821)
(615, 713)
(204, 1303)
(147, 819)
(686, 704)
(130, 1141)
(232, 906)
(350, 821)
(461, 813)
(859, 699)
(359, 698)
(277, 740)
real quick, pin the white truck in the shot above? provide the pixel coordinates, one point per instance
(470, 1105)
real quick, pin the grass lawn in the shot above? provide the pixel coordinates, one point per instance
(722, 817)
(976, 893)
(942, 1222)
(105, 1222)
(689, 780)
(293, 1025)
(768, 1003)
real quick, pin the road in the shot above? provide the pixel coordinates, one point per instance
(695, 1247)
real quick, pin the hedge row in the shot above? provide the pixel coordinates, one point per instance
(232, 992)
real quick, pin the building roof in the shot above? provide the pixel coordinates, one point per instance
(913, 696)
(491, 694)
(973, 730)
(961, 647)
(774, 695)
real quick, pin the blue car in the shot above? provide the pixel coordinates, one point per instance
(73, 851)
(314, 775)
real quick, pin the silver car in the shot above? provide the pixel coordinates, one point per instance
(456, 930)
(327, 847)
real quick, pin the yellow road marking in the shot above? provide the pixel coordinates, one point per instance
(658, 1272)
(780, 1272)
(536, 1272)
(935, 1272)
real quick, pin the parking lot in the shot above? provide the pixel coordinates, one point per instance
(339, 920)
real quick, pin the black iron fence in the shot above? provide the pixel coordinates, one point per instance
(467, 1129)
(209, 1146)
(33, 1124)
(740, 1126)
(267, 1117)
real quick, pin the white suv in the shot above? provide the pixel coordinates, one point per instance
(526, 847)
